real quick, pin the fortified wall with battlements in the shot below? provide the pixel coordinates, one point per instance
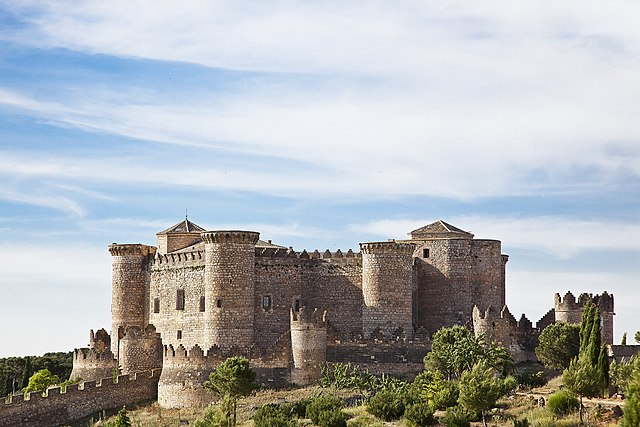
(201, 296)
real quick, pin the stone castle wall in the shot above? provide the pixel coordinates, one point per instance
(78, 401)
(568, 309)
(455, 275)
(170, 273)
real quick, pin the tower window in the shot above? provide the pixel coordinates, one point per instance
(266, 302)
(296, 304)
(219, 303)
(179, 335)
(202, 303)
(425, 253)
(180, 299)
(156, 305)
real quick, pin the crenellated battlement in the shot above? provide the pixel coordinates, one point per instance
(570, 303)
(304, 254)
(178, 259)
(231, 236)
(215, 354)
(61, 406)
(391, 247)
(134, 332)
(131, 249)
(305, 317)
(83, 356)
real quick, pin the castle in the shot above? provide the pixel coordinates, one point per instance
(202, 296)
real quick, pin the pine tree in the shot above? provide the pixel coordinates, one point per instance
(624, 339)
(632, 402)
(585, 326)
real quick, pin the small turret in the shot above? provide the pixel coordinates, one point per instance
(140, 349)
(308, 344)
(95, 362)
(569, 310)
(387, 275)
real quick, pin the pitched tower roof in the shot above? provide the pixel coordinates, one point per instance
(440, 230)
(185, 226)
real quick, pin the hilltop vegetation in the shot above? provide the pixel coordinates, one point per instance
(16, 371)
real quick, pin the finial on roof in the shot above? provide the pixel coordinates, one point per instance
(186, 214)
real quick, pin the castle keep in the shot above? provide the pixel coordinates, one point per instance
(201, 296)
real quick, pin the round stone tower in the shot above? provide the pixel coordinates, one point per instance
(568, 310)
(129, 288)
(387, 274)
(308, 345)
(229, 288)
(140, 349)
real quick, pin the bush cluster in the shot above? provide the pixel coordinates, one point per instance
(562, 402)
(273, 415)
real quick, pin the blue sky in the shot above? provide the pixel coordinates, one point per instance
(321, 125)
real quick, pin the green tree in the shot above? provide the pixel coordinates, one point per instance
(232, 379)
(26, 372)
(122, 419)
(559, 344)
(636, 337)
(479, 389)
(41, 380)
(583, 379)
(624, 339)
(632, 402)
(455, 350)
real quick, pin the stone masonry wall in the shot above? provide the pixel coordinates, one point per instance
(79, 400)
(169, 273)
(456, 275)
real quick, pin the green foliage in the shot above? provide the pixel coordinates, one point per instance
(582, 378)
(521, 423)
(273, 415)
(296, 409)
(334, 418)
(636, 337)
(433, 388)
(624, 339)
(323, 404)
(620, 373)
(16, 371)
(562, 403)
(479, 388)
(632, 402)
(458, 416)
(531, 379)
(558, 345)
(455, 350)
(387, 404)
(211, 417)
(346, 376)
(41, 380)
(420, 414)
(122, 419)
(232, 379)
(509, 385)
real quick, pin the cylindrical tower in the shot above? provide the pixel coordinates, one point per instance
(129, 287)
(140, 350)
(229, 288)
(386, 287)
(308, 345)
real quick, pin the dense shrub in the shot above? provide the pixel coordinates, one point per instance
(212, 416)
(521, 423)
(457, 416)
(322, 404)
(387, 405)
(296, 409)
(272, 415)
(433, 388)
(509, 385)
(332, 418)
(531, 379)
(420, 414)
(562, 402)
